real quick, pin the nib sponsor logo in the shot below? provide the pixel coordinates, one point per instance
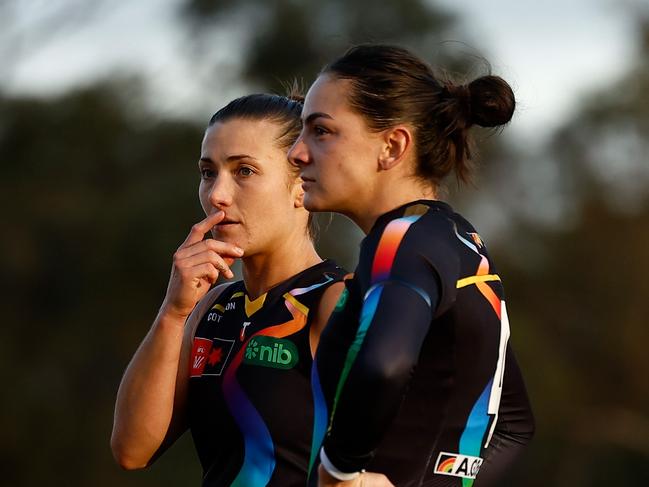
(457, 465)
(271, 352)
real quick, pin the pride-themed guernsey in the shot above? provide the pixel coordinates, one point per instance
(414, 377)
(250, 405)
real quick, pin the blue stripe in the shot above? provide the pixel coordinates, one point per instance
(320, 415)
(476, 425)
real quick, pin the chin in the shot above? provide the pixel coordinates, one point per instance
(226, 237)
(314, 204)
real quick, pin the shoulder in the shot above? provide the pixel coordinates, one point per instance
(330, 297)
(203, 305)
(325, 307)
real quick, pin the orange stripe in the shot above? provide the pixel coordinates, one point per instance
(489, 293)
(296, 324)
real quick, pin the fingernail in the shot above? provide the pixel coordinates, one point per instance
(238, 250)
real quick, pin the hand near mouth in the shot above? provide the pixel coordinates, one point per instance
(197, 265)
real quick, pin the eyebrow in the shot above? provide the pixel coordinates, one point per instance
(232, 158)
(315, 115)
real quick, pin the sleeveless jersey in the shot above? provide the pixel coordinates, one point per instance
(250, 405)
(412, 366)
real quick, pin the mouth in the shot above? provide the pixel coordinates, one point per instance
(225, 223)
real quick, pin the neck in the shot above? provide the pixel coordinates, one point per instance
(262, 271)
(387, 196)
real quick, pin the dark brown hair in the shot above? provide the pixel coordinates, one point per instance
(282, 110)
(390, 86)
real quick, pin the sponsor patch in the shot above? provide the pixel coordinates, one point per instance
(209, 356)
(271, 352)
(456, 465)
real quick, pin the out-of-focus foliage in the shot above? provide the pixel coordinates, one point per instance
(295, 38)
(579, 297)
(95, 199)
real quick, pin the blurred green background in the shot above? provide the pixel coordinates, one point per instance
(98, 185)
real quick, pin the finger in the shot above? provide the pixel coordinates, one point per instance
(199, 230)
(207, 272)
(222, 248)
(370, 479)
(207, 256)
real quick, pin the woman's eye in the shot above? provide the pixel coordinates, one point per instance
(245, 171)
(319, 130)
(207, 173)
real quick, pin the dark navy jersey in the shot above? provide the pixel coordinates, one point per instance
(250, 405)
(414, 377)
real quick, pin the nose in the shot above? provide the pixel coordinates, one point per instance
(220, 193)
(299, 153)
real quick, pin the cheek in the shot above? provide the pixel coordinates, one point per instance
(203, 197)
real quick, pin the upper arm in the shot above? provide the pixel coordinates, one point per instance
(179, 423)
(325, 307)
(427, 259)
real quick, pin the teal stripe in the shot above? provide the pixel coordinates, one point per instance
(367, 314)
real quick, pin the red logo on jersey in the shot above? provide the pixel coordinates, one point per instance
(200, 352)
(210, 356)
(216, 356)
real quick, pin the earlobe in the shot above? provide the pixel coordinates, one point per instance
(299, 199)
(397, 142)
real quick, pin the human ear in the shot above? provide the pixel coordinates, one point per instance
(298, 201)
(396, 142)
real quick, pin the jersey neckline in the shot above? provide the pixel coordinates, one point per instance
(395, 213)
(264, 297)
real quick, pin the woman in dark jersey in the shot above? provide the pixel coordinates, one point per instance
(232, 362)
(414, 376)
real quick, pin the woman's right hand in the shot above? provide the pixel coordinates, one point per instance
(197, 265)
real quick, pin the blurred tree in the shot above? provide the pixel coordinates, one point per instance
(286, 39)
(96, 197)
(580, 294)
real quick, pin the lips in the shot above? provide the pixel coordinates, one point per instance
(225, 223)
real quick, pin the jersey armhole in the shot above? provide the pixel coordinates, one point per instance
(203, 305)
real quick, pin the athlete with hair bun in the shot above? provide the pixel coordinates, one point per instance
(414, 376)
(232, 362)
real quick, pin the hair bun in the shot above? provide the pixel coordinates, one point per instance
(294, 91)
(296, 97)
(492, 101)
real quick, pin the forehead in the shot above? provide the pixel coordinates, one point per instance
(327, 95)
(256, 138)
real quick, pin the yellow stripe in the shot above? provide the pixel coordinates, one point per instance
(418, 209)
(219, 307)
(253, 306)
(237, 295)
(291, 299)
(467, 281)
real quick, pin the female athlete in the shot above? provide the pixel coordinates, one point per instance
(232, 362)
(414, 376)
